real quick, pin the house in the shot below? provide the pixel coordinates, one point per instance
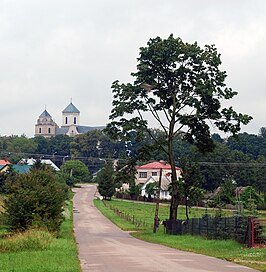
(153, 170)
(149, 173)
(18, 168)
(31, 161)
(4, 162)
(164, 191)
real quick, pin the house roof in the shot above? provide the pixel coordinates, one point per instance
(80, 129)
(165, 182)
(21, 168)
(71, 109)
(156, 165)
(45, 114)
(31, 162)
(4, 162)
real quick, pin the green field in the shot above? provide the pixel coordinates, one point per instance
(33, 254)
(224, 249)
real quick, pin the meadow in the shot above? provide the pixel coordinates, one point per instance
(39, 250)
(224, 249)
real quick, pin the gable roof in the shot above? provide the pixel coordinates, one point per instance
(165, 182)
(4, 162)
(157, 165)
(71, 109)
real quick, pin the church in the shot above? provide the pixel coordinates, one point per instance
(47, 127)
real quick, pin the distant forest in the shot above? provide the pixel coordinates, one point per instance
(242, 158)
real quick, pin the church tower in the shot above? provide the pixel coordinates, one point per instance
(45, 125)
(71, 119)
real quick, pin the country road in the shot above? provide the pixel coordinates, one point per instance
(104, 247)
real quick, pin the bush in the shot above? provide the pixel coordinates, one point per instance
(35, 199)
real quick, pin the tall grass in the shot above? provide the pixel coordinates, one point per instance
(30, 240)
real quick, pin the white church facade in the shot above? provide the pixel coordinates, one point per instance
(47, 127)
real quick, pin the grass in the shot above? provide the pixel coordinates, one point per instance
(223, 249)
(40, 251)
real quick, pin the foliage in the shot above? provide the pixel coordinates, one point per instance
(36, 199)
(60, 254)
(125, 172)
(75, 171)
(151, 189)
(105, 180)
(250, 195)
(226, 194)
(181, 86)
(96, 144)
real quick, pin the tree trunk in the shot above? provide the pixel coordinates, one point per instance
(175, 194)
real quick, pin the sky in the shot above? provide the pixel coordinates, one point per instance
(52, 51)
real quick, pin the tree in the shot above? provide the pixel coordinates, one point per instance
(35, 199)
(190, 182)
(75, 171)
(181, 86)
(151, 189)
(105, 180)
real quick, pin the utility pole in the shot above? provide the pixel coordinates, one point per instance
(156, 218)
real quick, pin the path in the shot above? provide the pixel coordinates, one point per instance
(104, 247)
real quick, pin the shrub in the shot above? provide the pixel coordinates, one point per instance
(35, 199)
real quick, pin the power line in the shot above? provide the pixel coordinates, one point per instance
(237, 164)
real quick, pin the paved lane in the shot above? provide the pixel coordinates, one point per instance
(104, 247)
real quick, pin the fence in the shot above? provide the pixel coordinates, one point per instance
(257, 237)
(130, 218)
(212, 227)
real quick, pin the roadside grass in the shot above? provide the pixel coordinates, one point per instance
(224, 249)
(31, 254)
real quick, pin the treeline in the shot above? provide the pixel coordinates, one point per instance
(242, 158)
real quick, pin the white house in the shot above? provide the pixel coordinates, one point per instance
(149, 173)
(31, 161)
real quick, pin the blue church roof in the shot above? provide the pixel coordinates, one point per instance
(71, 109)
(45, 114)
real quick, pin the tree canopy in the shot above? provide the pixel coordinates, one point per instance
(181, 86)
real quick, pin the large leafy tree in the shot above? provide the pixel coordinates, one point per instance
(181, 86)
(75, 171)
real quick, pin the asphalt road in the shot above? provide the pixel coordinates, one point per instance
(104, 247)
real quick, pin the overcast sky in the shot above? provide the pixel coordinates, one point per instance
(55, 50)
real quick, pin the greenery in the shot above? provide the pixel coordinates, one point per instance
(75, 171)
(181, 86)
(35, 199)
(105, 180)
(42, 255)
(224, 249)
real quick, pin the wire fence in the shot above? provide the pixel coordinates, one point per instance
(139, 223)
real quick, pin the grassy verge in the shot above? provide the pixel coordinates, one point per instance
(224, 249)
(58, 254)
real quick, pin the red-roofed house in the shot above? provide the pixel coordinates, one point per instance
(144, 172)
(149, 173)
(4, 162)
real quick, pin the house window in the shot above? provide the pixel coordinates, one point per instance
(40, 130)
(49, 130)
(66, 120)
(75, 120)
(154, 174)
(142, 174)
